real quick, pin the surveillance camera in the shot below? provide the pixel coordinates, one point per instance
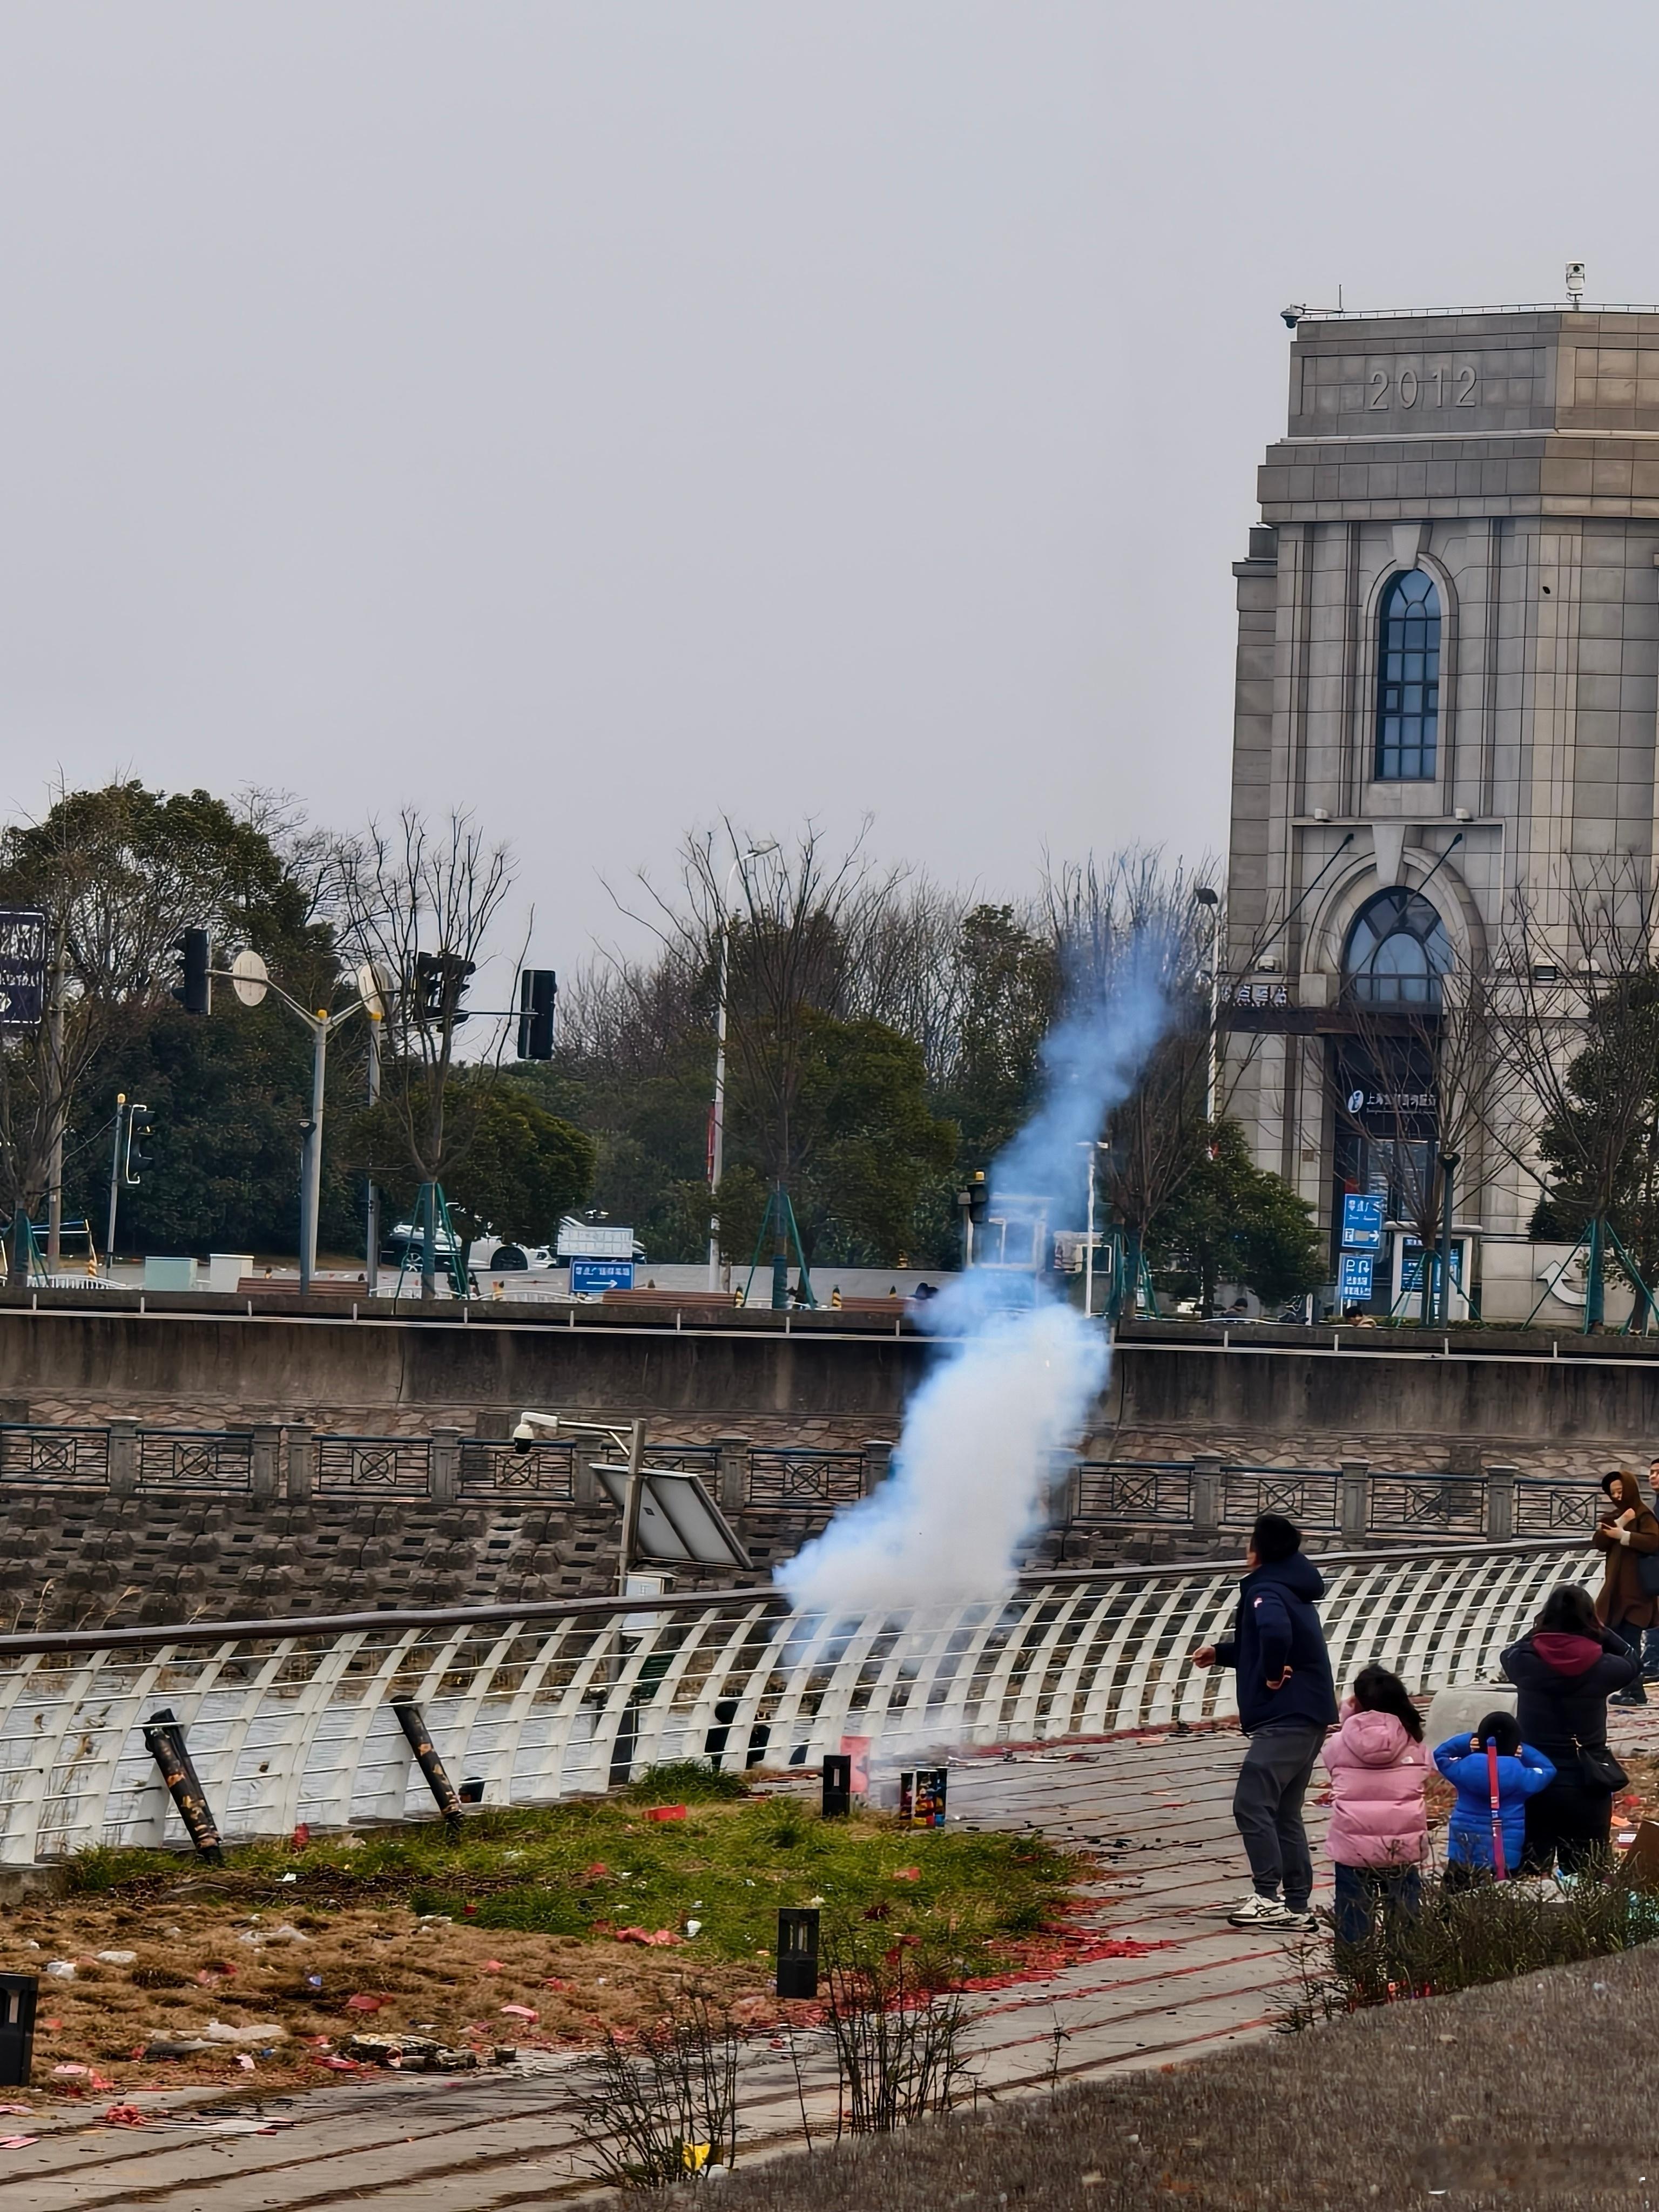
(1575, 281)
(1292, 316)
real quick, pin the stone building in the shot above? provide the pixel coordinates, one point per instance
(1447, 655)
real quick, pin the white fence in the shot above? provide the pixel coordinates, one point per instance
(541, 1704)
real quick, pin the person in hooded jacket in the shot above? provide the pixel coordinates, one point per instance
(1628, 1532)
(1565, 1670)
(1285, 1704)
(1379, 1828)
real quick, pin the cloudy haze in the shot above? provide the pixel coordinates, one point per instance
(610, 415)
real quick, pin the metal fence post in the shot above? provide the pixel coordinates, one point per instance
(1500, 1503)
(443, 1480)
(1207, 1494)
(1354, 1500)
(734, 1472)
(123, 1462)
(262, 1462)
(584, 1483)
(1065, 1493)
(301, 1462)
(877, 1464)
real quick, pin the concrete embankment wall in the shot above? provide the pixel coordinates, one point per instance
(1308, 1398)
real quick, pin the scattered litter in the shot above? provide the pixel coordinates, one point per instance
(908, 1874)
(61, 1970)
(556, 1984)
(694, 1927)
(665, 1812)
(407, 2054)
(654, 1939)
(491, 1967)
(118, 1958)
(519, 2012)
(66, 2072)
(313, 1981)
(270, 2031)
(340, 2065)
(216, 1969)
(17, 2142)
(245, 2062)
(28, 2111)
(301, 1836)
(362, 2002)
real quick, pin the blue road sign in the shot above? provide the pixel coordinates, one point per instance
(1362, 1222)
(589, 1278)
(1354, 1287)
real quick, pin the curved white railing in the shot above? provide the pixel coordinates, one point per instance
(291, 1721)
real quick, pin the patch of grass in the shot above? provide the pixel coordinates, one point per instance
(685, 1782)
(590, 1867)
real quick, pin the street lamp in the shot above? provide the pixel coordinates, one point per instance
(249, 978)
(1447, 1168)
(717, 1118)
(1207, 896)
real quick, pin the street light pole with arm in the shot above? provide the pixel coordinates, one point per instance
(717, 1118)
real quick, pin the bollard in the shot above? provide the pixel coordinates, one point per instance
(164, 1740)
(837, 1786)
(1500, 1503)
(301, 1462)
(444, 1467)
(798, 1953)
(263, 1463)
(1354, 1500)
(877, 1464)
(734, 1472)
(18, 1995)
(1207, 1494)
(444, 1793)
(123, 1458)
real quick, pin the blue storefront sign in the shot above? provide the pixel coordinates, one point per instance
(591, 1278)
(1354, 1285)
(1362, 1222)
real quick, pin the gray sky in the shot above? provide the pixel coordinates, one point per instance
(610, 415)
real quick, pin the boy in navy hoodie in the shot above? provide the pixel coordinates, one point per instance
(1285, 1704)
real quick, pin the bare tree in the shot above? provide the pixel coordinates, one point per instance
(1576, 1034)
(1436, 1096)
(418, 903)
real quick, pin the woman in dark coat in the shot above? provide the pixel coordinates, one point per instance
(1625, 1532)
(1565, 1669)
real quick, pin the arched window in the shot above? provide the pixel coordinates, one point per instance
(1396, 953)
(1408, 678)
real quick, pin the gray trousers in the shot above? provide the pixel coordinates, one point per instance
(1278, 1763)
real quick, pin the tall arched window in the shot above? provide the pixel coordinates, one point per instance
(1408, 679)
(1396, 953)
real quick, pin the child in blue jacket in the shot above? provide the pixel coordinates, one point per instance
(1522, 1773)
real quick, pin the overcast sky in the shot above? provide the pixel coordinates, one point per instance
(610, 415)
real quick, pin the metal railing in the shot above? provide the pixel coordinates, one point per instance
(1138, 1492)
(804, 1478)
(291, 1721)
(546, 1470)
(394, 1466)
(29, 1453)
(195, 1459)
(1308, 1496)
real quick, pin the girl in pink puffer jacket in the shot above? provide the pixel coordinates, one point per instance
(1379, 1830)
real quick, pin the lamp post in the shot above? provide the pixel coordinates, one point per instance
(1207, 896)
(114, 1180)
(717, 1116)
(1091, 1146)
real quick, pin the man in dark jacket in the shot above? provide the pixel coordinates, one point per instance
(1285, 1704)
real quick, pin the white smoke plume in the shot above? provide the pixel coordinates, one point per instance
(1010, 1386)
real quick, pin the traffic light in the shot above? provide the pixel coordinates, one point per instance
(139, 1128)
(195, 994)
(539, 990)
(441, 981)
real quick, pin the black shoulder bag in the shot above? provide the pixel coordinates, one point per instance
(1598, 1769)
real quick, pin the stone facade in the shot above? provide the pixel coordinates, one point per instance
(1505, 456)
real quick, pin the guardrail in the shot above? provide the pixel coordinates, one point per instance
(291, 1720)
(1205, 1495)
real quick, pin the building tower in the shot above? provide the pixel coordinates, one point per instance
(1444, 724)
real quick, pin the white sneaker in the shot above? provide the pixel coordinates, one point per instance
(1284, 1919)
(1254, 1909)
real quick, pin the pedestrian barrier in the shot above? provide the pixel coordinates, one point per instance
(296, 1721)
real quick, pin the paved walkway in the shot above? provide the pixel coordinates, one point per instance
(1155, 1808)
